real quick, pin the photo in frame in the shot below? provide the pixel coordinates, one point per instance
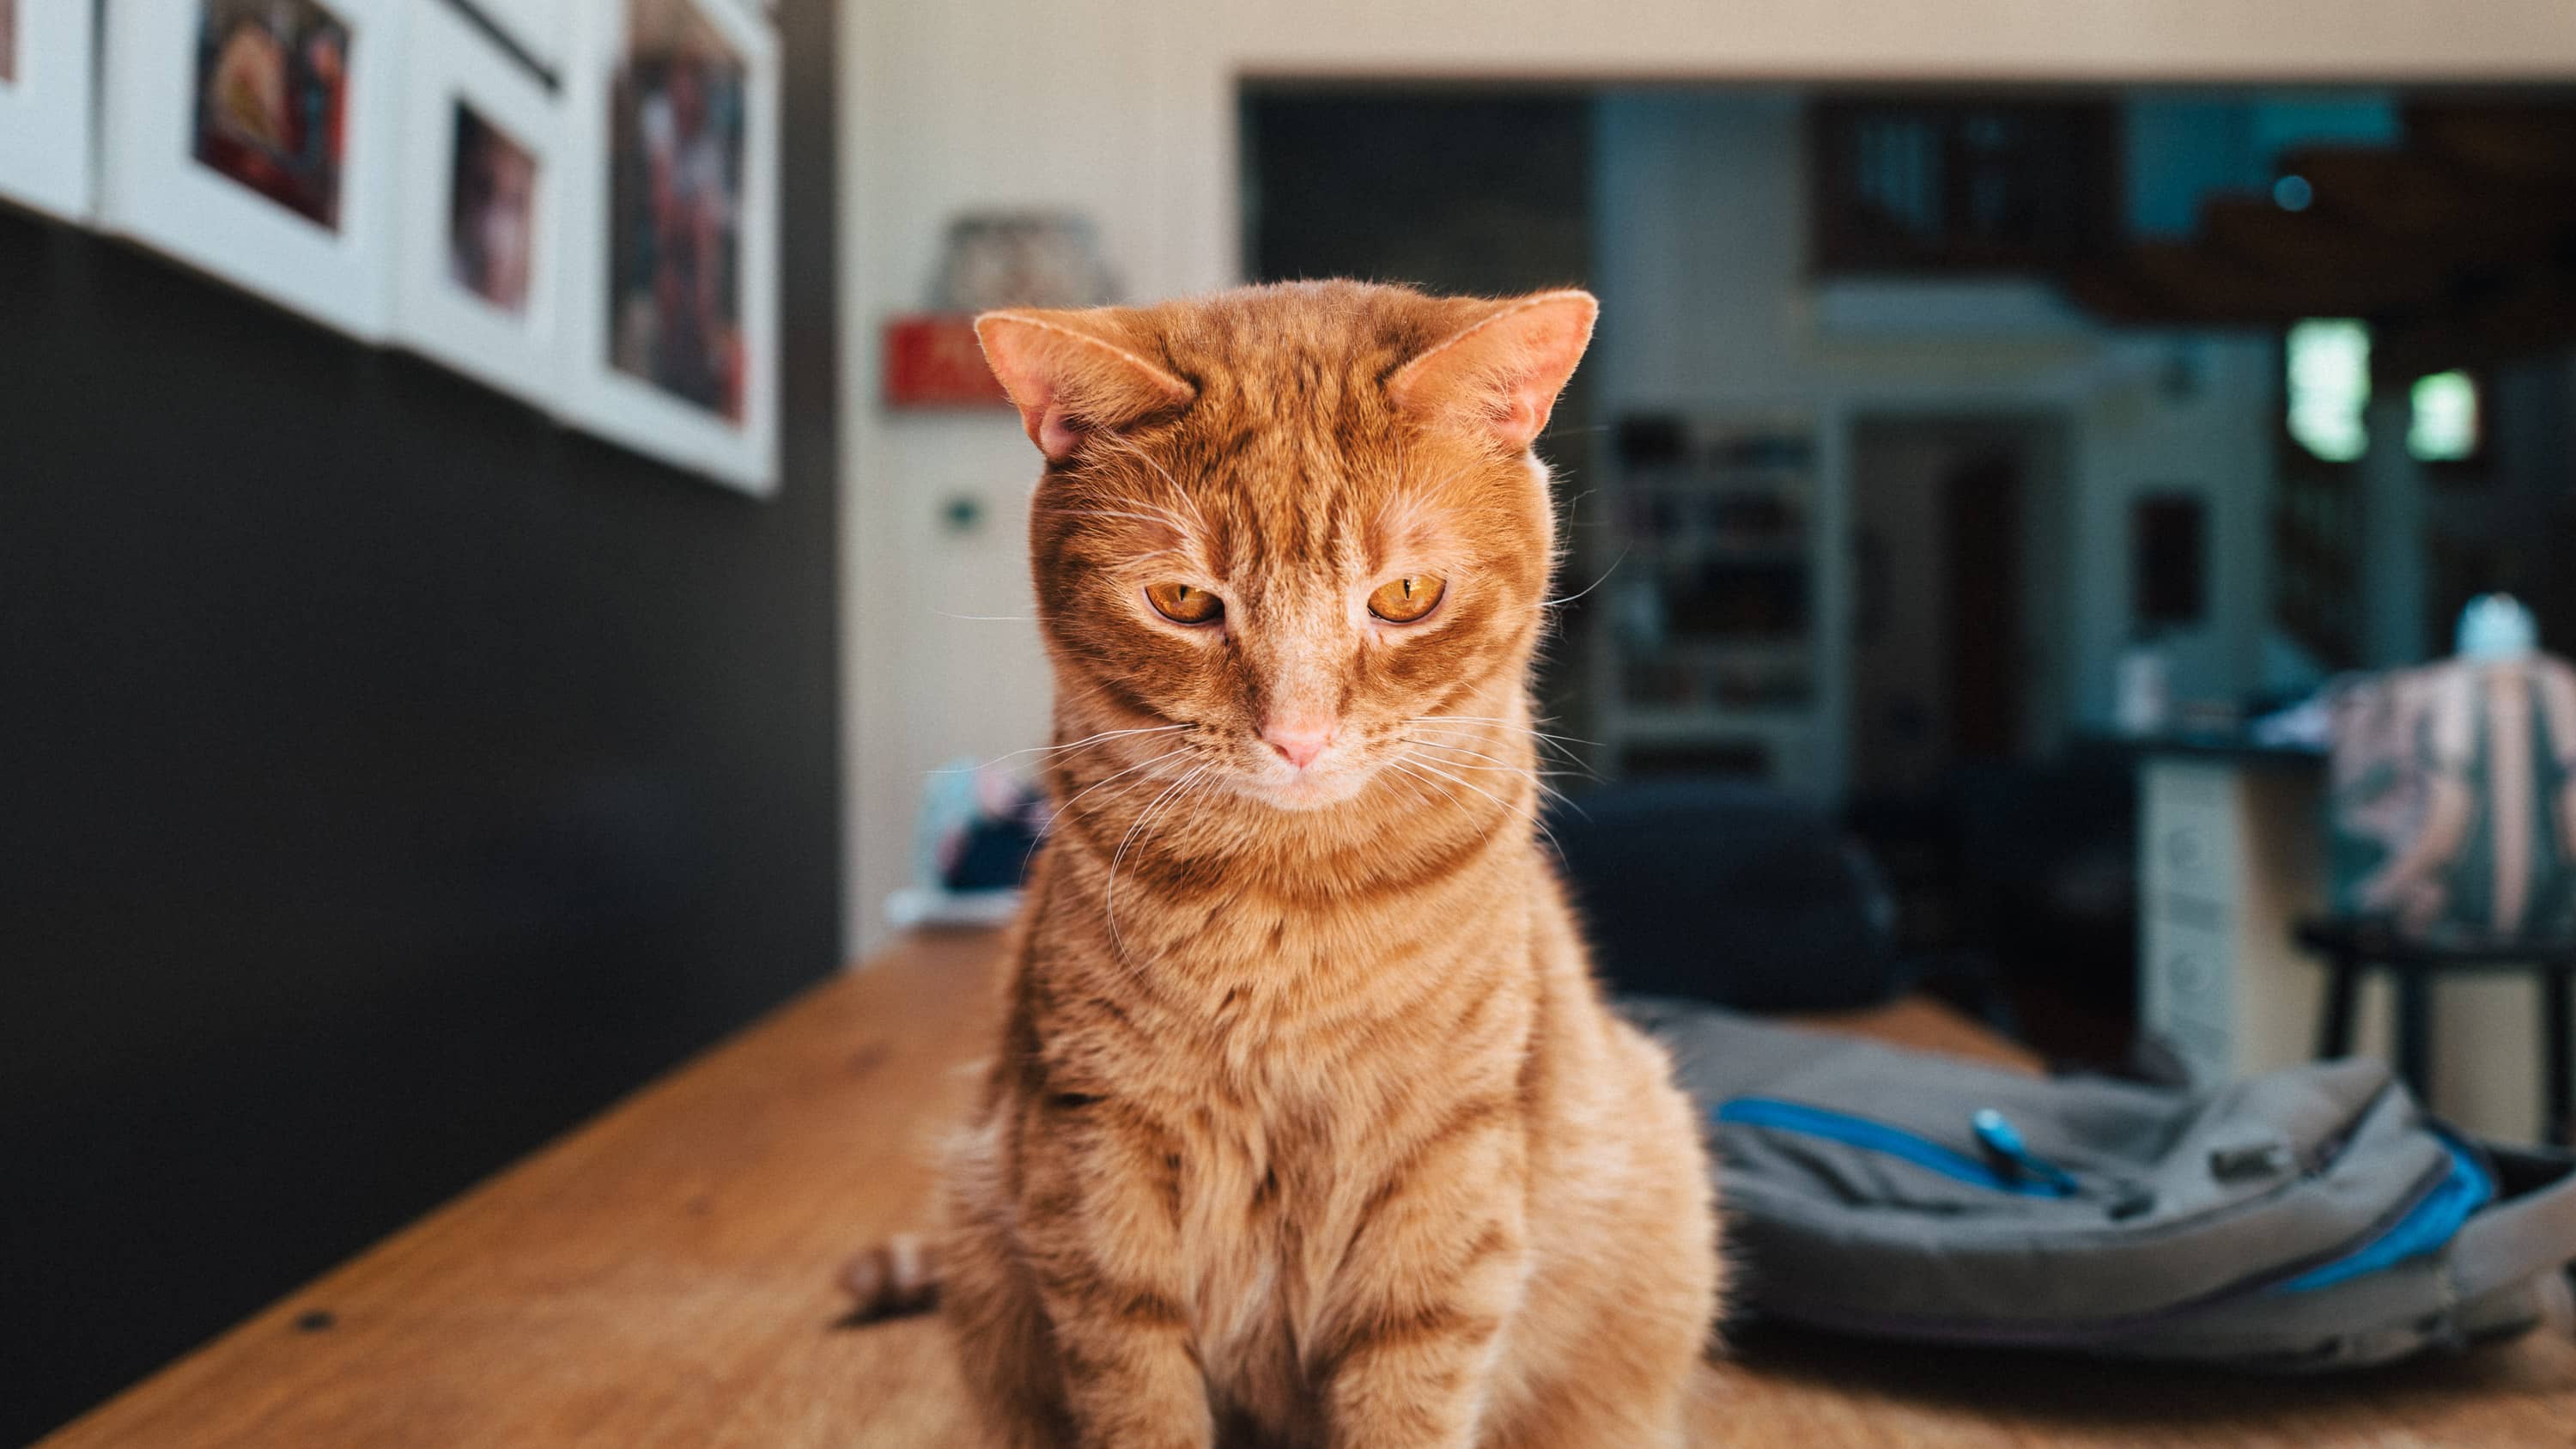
(670, 317)
(480, 208)
(45, 106)
(255, 140)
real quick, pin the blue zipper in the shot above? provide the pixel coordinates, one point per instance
(1923, 1152)
(2427, 1227)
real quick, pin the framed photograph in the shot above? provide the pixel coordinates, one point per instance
(671, 278)
(481, 203)
(255, 139)
(45, 51)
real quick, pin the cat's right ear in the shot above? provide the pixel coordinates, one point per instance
(1075, 373)
(1502, 372)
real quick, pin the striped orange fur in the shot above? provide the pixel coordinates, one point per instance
(1309, 1125)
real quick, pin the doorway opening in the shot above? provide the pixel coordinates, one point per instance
(1995, 835)
(1955, 522)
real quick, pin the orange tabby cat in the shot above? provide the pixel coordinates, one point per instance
(1309, 1126)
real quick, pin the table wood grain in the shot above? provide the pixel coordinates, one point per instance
(664, 1276)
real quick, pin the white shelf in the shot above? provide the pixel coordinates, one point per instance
(1795, 739)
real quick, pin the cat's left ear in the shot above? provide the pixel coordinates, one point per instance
(1502, 372)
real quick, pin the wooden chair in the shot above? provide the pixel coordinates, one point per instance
(2351, 947)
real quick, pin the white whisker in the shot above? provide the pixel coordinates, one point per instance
(1068, 805)
(1056, 749)
(1527, 812)
(1511, 724)
(1507, 723)
(1411, 783)
(1109, 891)
(1537, 778)
(1499, 762)
(1412, 774)
(1587, 588)
(1580, 770)
(1469, 784)
(1559, 743)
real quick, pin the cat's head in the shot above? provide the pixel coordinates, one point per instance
(1292, 521)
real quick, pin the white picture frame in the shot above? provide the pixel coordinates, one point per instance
(541, 28)
(327, 251)
(45, 106)
(611, 312)
(475, 277)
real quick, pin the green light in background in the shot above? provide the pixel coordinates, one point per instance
(2445, 424)
(2329, 386)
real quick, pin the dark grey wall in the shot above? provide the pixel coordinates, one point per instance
(388, 779)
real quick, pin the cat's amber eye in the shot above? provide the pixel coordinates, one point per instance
(1408, 598)
(1184, 603)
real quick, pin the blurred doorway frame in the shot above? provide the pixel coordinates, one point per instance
(2026, 452)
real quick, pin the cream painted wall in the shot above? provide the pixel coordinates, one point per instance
(952, 106)
(1125, 109)
(1901, 39)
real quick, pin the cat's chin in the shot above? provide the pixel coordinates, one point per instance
(1307, 790)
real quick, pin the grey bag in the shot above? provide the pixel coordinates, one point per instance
(2311, 1218)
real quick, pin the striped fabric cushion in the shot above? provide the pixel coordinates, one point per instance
(2454, 805)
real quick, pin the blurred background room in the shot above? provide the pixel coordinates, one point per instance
(505, 535)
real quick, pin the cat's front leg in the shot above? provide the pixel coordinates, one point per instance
(1130, 1379)
(1418, 1385)
(1432, 1279)
(1102, 1242)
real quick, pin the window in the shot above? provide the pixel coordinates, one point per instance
(2328, 386)
(2444, 428)
(1988, 186)
(2328, 390)
(2317, 587)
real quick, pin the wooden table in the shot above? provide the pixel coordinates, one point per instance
(664, 1276)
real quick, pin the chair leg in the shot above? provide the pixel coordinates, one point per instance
(2334, 1029)
(2558, 1080)
(2415, 1030)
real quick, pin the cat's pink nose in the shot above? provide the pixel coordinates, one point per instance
(1299, 741)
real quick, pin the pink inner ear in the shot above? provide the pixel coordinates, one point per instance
(1025, 379)
(1507, 370)
(1055, 436)
(1048, 421)
(1043, 359)
(1544, 357)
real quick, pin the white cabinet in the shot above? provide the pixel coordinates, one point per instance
(2232, 856)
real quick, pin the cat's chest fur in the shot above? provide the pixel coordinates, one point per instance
(1273, 1190)
(1278, 1073)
